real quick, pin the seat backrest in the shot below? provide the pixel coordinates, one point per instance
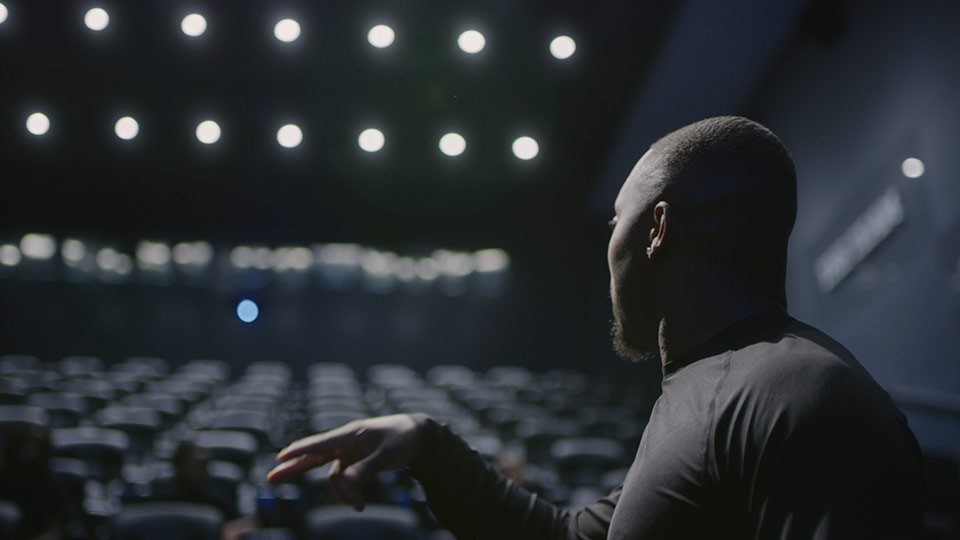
(236, 447)
(104, 450)
(12, 415)
(166, 521)
(376, 521)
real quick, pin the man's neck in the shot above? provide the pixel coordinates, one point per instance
(682, 333)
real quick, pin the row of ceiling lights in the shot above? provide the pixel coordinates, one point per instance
(288, 30)
(291, 136)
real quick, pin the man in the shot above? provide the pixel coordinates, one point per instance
(766, 427)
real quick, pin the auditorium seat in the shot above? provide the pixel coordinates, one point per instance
(167, 520)
(140, 424)
(256, 423)
(376, 521)
(224, 480)
(98, 393)
(145, 365)
(65, 409)
(104, 450)
(11, 415)
(10, 363)
(12, 391)
(234, 446)
(581, 461)
(209, 368)
(538, 435)
(80, 366)
(169, 407)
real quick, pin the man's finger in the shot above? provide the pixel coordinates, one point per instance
(295, 466)
(322, 443)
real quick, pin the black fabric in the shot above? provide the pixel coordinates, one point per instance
(769, 430)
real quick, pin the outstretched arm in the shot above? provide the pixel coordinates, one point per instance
(468, 495)
(357, 451)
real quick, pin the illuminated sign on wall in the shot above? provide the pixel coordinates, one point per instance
(860, 239)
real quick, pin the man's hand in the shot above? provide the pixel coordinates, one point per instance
(357, 450)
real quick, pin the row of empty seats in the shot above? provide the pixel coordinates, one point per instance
(562, 433)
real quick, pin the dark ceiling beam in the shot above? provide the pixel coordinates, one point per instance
(711, 63)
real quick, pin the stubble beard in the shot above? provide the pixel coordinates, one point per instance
(632, 352)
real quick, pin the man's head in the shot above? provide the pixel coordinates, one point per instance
(713, 201)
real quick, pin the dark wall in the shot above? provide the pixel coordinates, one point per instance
(852, 99)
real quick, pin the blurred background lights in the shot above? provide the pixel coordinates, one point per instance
(247, 310)
(38, 123)
(193, 253)
(562, 47)
(453, 144)
(38, 246)
(371, 140)
(3, 13)
(9, 255)
(153, 253)
(287, 30)
(289, 136)
(193, 25)
(127, 128)
(491, 260)
(525, 148)
(912, 168)
(73, 251)
(381, 36)
(471, 42)
(96, 19)
(208, 132)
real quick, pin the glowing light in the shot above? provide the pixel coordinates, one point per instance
(153, 253)
(471, 42)
(126, 128)
(912, 168)
(289, 136)
(247, 311)
(73, 251)
(405, 268)
(287, 30)
(371, 140)
(3, 13)
(208, 132)
(193, 253)
(453, 264)
(381, 36)
(526, 148)
(193, 25)
(376, 263)
(96, 19)
(108, 259)
(9, 255)
(491, 260)
(453, 144)
(38, 124)
(427, 269)
(292, 258)
(563, 47)
(38, 246)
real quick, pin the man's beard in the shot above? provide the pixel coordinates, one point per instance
(630, 351)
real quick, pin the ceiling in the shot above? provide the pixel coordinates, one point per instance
(640, 69)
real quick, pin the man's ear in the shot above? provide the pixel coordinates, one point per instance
(665, 221)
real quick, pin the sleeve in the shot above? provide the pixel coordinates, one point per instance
(473, 500)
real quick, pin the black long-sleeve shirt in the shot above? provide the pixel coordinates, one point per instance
(769, 430)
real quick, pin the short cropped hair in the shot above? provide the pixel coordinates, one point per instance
(732, 184)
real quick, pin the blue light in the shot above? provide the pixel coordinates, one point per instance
(248, 311)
